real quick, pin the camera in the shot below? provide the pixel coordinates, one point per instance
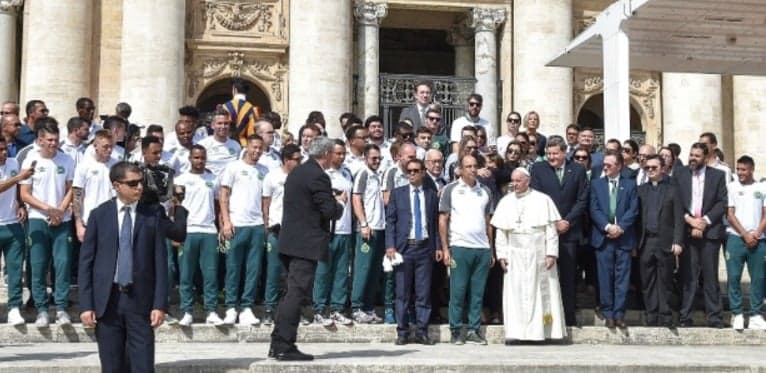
(158, 183)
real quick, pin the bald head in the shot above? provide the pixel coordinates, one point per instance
(645, 151)
(407, 152)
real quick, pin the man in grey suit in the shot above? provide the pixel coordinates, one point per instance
(417, 112)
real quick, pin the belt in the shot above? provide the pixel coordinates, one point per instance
(417, 243)
(123, 289)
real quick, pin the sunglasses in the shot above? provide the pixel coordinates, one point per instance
(651, 168)
(513, 120)
(374, 158)
(581, 157)
(414, 171)
(131, 183)
(406, 135)
(474, 104)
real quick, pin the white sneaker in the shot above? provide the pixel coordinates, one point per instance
(361, 317)
(62, 318)
(322, 320)
(340, 318)
(42, 320)
(246, 317)
(738, 322)
(14, 317)
(213, 319)
(187, 320)
(756, 323)
(231, 317)
(374, 317)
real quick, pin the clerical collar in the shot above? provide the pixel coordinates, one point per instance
(524, 194)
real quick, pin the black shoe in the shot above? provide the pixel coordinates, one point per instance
(686, 323)
(294, 355)
(457, 339)
(271, 354)
(473, 337)
(424, 340)
(716, 324)
(610, 323)
(401, 340)
(268, 318)
(620, 323)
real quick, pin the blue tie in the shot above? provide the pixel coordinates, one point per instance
(125, 254)
(418, 222)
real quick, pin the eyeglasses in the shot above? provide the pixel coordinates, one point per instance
(132, 183)
(414, 171)
(435, 119)
(626, 150)
(581, 157)
(651, 168)
(474, 104)
(406, 135)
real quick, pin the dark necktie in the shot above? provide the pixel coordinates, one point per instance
(418, 222)
(125, 254)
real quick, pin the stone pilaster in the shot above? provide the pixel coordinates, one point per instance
(9, 88)
(152, 60)
(460, 36)
(320, 72)
(368, 15)
(485, 22)
(56, 55)
(691, 105)
(749, 119)
(541, 29)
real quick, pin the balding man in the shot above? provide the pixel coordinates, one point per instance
(9, 108)
(11, 126)
(395, 177)
(644, 152)
(435, 170)
(271, 157)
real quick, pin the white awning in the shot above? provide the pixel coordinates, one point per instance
(699, 36)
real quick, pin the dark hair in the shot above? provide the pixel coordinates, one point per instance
(746, 160)
(418, 161)
(524, 135)
(47, 125)
(189, 111)
(400, 126)
(476, 97)
(154, 128)
(308, 126)
(30, 108)
(369, 148)
(103, 134)
(221, 112)
(132, 131)
(468, 128)
(655, 156)
(254, 136)
(719, 154)
(74, 123)
(615, 141)
(701, 146)
(573, 126)
(288, 151)
(556, 141)
(120, 169)
(149, 140)
(82, 101)
(711, 137)
(423, 129)
(114, 121)
(274, 118)
(351, 132)
(123, 109)
(617, 155)
(339, 142)
(197, 147)
(347, 115)
(632, 144)
(586, 128)
(514, 112)
(371, 119)
(426, 83)
(240, 85)
(675, 149)
(316, 117)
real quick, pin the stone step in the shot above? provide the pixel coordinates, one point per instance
(342, 358)
(362, 334)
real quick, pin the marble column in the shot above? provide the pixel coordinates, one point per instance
(749, 119)
(542, 29)
(320, 71)
(9, 87)
(152, 60)
(368, 15)
(485, 22)
(460, 36)
(56, 55)
(691, 105)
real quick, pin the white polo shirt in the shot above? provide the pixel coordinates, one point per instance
(76, 152)
(459, 123)
(368, 184)
(49, 182)
(354, 163)
(343, 181)
(748, 202)
(118, 153)
(246, 184)
(201, 191)
(179, 160)
(271, 159)
(394, 178)
(219, 154)
(92, 177)
(274, 188)
(467, 206)
(8, 202)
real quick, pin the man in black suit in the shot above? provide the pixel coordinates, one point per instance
(703, 193)
(308, 209)
(565, 182)
(123, 275)
(412, 231)
(661, 240)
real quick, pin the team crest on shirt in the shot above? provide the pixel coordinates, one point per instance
(60, 169)
(14, 173)
(758, 195)
(244, 172)
(365, 248)
(232, 152)
(436, 145)
(94, 172)
(41, 169)
(209, 184)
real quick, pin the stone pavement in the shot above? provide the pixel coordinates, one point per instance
(239, 357)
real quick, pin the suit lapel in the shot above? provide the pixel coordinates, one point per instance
(708, 189)
(138, 224)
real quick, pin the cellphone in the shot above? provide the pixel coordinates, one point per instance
(33, 165)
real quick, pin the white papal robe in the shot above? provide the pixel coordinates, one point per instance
(526, 234)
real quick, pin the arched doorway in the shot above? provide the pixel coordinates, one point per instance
(592, 115)
(220, 92)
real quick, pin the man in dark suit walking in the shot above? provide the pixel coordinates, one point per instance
(565, 182)
(123, 275)
(412, 230)
(662, 236)
(704, 196)
(308, 209)
(613, 213)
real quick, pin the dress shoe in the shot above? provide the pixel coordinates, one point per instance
(716, 324)
(610, 323)
(620, 323)
(401, 340)
(293, 355)
(686, 323)
(424, 340)
(271, 354)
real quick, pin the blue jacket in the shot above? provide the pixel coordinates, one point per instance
(626, 213)
(399, 218)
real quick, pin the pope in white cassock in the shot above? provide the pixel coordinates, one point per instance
(527, 247)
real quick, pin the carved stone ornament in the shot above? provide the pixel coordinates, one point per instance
(486, 19)
(643, 90)
(460, 34)
(238, 15)
(10, 6)
(369, 13)
(237, 64)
